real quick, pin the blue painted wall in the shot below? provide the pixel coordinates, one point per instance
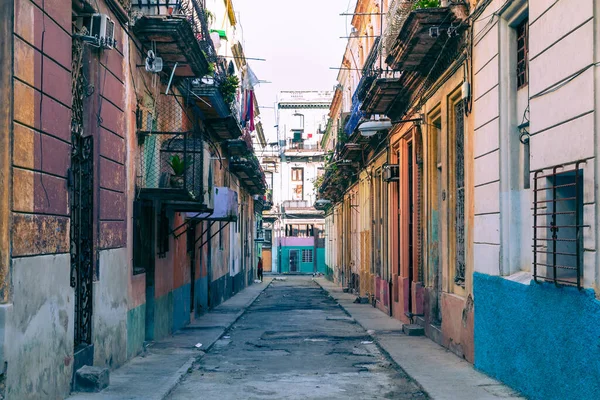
(321, 267)
(304, 268)
(539, 339)
(201, 296)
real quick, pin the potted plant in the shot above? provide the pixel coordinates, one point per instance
(426, 4)
(178, 166)
(229, 88)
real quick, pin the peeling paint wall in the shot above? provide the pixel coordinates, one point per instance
(40, 328)
(110, 309)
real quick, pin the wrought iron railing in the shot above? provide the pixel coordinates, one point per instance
(192, 10)
(372, 58)
(397, 14)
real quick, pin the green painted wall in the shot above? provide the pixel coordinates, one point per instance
(304, 268)
(321, 266)
(136, 330)
(163, 316)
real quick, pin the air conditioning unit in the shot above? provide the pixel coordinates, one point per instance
(391, 172)
(208, 179)
(101, 31)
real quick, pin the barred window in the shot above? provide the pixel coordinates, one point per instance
(523, 54)
(557, 225)
(307, 255)
(459, 159)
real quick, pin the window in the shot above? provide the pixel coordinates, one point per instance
(557, 220)
(459, 187)
(268, 235)
(297, 174)
(307, 255)
(299, 230)
(523, 54)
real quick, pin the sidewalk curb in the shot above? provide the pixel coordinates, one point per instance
(453, 377)
(181, 372)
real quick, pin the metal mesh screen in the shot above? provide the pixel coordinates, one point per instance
(171, 156)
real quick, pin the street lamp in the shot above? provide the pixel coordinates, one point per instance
(371, 127)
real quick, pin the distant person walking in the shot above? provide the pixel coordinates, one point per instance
(260, 269)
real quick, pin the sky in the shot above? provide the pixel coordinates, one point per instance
(300, 39)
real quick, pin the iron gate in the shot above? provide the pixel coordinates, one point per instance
(81, 199)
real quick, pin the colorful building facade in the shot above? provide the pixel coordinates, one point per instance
(109, 178)
(467, 142)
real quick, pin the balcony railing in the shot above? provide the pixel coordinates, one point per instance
(250, 173)
(296, 204)
(177, 31)
(222, 117)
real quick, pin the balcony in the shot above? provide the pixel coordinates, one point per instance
(351, 151)
(177, 31)
(221, 116)
(424, 35)
(300, 209)
(296, 204)
(250, 173)
(423, 43)
(336, 182)
(239, 147)
(173, 161)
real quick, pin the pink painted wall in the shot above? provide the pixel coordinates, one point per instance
(297, 241)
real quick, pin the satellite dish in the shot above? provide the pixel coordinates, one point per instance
(153, 63)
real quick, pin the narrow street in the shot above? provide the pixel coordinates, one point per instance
(295, 342)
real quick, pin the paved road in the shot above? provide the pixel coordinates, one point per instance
(294, 342)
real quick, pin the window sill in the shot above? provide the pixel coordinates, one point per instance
(522, 277)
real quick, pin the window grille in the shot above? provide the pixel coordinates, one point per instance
(523, 54)
(459, 162)
(557, 224)
(307, 255)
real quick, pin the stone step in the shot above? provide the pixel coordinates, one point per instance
(91, 379)
(413, 330)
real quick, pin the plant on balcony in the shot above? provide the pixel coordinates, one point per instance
(178, 166)
(211, 69)
(426, 4)
(229, 87)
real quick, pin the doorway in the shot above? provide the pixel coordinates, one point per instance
(294, 258)
(82, 219)
(437, 198)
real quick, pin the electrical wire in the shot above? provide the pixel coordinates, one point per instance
(563, 81)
